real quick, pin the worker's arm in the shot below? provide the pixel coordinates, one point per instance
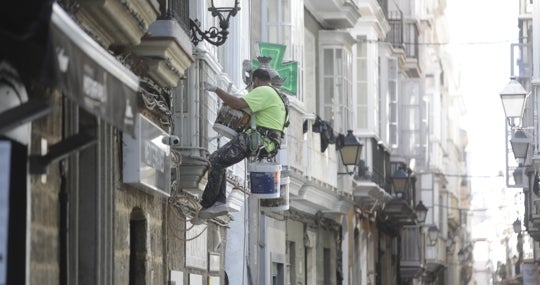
(231, 100)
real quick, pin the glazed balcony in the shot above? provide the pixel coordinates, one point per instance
(418, 254)
(535, 211)
(412, 252)
(335, 14)
(436, 255)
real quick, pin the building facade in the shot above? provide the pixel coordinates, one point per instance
(106, 134)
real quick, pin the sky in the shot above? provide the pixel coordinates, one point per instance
(481, 32)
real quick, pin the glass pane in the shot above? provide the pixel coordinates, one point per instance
(286, 38)
(328, 90)
(286, 11)
(328, 55)
(361, 49)
(273, 34)
(362, 69)
(273, 11)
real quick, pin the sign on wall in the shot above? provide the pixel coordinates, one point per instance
(92, 77)
(146, 161)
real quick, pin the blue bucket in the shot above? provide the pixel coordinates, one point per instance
(281, 203)
(265, 179)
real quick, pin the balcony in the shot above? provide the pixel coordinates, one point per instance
(436, 255)
(191, 166)
(166, 50)
(533, 231)
(116, 22)
(535, 211)
(370, 180)
(312, 172)
(399, 213)
(404, 36)
(373, 12)
(412, 252)
(334, 14)
(418, 255)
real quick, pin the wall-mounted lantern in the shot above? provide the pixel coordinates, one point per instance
(421, 212)
(513, 99)
(433, 235)
(400, 181)
(520, 144)
(223, 11)
(350, 151)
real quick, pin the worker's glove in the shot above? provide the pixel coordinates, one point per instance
(209, 86)
(246, 65)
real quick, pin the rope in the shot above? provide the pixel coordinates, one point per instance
(174, 204)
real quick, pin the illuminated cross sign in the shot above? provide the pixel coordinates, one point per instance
(287, 70)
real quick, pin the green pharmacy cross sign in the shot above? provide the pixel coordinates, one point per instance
(287, 70)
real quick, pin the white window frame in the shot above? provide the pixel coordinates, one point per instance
(393, 91)
(362, 88)
(338, 108)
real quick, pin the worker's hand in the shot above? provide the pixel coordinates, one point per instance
(246, 65)
(209, 86)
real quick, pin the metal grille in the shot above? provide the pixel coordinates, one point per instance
(178, 10)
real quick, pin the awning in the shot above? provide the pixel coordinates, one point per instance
(91, 76)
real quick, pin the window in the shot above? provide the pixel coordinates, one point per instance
(308, 70)
(393, 101)
(362, 111)
(137, 248)
(410, 117)
(277, 273)
(291, 262)
(277, 18)
(336, 90)
(327, 266)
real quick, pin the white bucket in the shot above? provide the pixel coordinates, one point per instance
(264, 179)
(282, 202)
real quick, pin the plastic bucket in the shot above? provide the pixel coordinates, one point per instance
(265, 179)
(282, 202)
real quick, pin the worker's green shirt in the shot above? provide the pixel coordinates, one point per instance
(267, 106)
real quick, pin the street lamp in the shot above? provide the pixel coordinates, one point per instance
(517, 229)
(433, 235)
(421, 212)
(350, 151)
(400, 181)
(517, 226)
(224, 11)
(513, 100)
(520, 144)
(518, 175)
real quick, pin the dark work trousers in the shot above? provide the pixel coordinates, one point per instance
(229, 154)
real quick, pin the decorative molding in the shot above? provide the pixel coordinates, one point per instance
(165, 53)
(118, 22)
(334, 14)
